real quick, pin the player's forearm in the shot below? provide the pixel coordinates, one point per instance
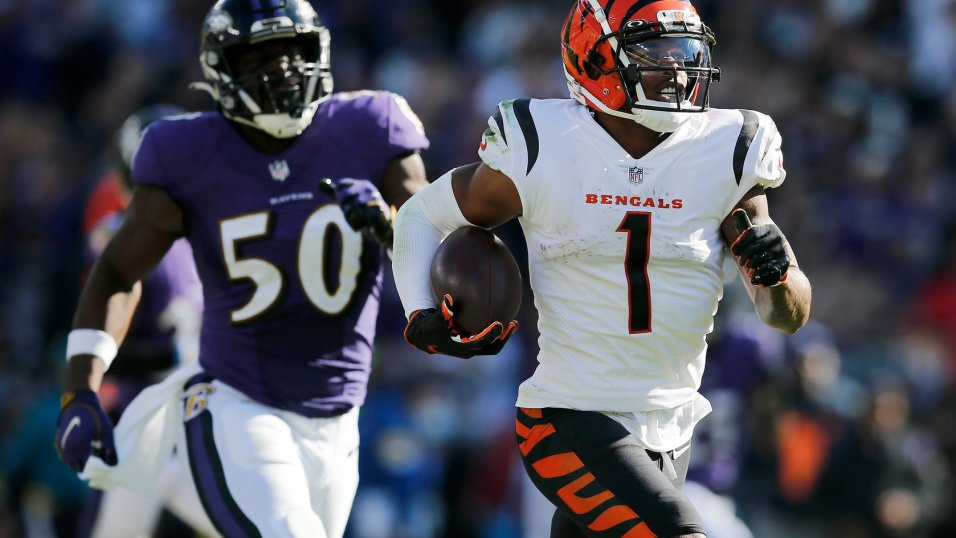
(84, 372)
(422, 222)
(106, 304)
(785, 307)
(413, 247)
(108, 301)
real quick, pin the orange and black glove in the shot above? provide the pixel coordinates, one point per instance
(761, 250)
(432, 330)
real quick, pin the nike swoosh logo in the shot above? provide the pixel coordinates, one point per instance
(678, 452)
(74, 422)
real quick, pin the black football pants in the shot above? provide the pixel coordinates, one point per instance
(603, 483)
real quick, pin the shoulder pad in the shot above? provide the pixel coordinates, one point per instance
(509, 128)
(748, 130)
(763, 164)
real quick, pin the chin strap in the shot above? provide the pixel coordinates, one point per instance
(661, 121)
(278, 125)
(205, 87)
(283, 125)
(275, 125)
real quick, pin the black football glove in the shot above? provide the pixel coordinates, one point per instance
(432, 330)
(761, 250)
(365, 209)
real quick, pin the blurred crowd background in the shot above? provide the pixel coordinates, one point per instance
(847, 428)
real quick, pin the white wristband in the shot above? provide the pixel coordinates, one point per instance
(91, 342)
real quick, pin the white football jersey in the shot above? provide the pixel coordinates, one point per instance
(625, 254)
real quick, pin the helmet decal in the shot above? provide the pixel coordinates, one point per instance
(635, 7)
(218, 21)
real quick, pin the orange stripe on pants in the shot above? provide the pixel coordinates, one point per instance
(581, 505)
(558, 465)
(535, 436)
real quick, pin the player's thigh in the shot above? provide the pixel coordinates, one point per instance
(177, 492)
(331, 459)
(563, 526)
(125, 514)
(595, 472)
(246, 465)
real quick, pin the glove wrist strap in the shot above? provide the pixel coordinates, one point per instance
(91, 342)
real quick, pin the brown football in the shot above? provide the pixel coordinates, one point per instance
(481, 275)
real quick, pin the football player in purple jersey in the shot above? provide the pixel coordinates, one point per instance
(163, 333)
(291, 273)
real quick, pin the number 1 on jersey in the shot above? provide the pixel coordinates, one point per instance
(637, 225)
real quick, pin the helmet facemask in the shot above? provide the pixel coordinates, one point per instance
(669, 73)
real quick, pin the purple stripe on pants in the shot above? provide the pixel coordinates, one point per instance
(210, 481)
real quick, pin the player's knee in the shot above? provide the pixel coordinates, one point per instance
(299, 523)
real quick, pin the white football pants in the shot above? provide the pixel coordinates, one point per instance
(262, 471)
(124, 513)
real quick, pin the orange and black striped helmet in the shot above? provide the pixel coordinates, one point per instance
(646, 60)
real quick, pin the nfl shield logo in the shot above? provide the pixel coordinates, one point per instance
(635, 175)
(279, 170)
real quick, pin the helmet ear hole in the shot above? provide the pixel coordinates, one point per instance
(572, 58)
(592, 67)
(633, 73)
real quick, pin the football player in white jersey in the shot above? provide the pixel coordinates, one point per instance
(630, 196)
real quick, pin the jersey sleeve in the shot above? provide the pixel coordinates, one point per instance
(147, 165)
(502, 144)
(375, 127)
(766, 162)
(405, 130)
(757, 156)
(511, 145)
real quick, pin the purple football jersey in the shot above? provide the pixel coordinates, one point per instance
(291, 292)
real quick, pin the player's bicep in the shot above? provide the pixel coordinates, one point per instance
(153, 222)
(485, 196)
(404, 176)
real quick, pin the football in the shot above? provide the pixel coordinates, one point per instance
(479, 272)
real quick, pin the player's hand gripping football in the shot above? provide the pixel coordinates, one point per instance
(432, 330)
(83, 429)
(365, 209)
(761, 250)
